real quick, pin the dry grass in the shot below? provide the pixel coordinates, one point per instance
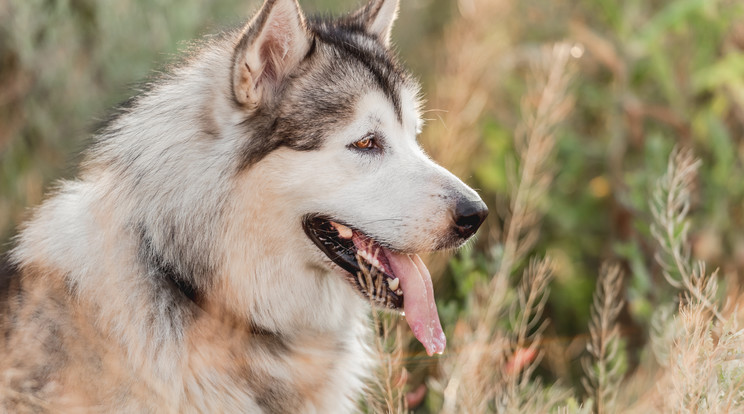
(388, 388)
(603, 367)
(670, 206)
(546, 105)
(492, 366)
(700, 346)
(386, 392)
(706, 367)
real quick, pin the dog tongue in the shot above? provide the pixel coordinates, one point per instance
(418, 303)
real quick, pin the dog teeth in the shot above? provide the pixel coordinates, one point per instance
(371, 259)
(343, 231)
(393, 284)
(399, 292)
(366, 256)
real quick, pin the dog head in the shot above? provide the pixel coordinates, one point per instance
(279, 162)
(333, 113)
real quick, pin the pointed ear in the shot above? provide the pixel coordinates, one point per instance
(377, 17)
(273, 44)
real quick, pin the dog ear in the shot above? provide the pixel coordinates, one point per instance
(273, 44)
(377, 17)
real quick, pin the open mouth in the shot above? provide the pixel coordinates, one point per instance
(387, 278)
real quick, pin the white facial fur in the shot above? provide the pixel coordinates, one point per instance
(400, 197)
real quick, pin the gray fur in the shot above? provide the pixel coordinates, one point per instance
(174, 275)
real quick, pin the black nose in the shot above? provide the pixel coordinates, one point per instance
(469, 215)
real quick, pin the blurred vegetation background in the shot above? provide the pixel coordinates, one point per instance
(648, 75)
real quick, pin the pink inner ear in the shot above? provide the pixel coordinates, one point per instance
(281, 34)
(272, 51)
(268, 54)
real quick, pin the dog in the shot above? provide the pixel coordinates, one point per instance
(208, 256)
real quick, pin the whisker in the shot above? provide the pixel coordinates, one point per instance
(434, 110)
(381, 220)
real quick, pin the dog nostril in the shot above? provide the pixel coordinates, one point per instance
(469, 215)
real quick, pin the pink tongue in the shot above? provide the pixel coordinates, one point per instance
(418, 300)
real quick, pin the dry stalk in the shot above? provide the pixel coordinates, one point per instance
(603, 367)
(546, 105)
(670, 205)
(498, 373)
(706, 370)
(386, 392)
(512, 392)
(475, 374)
(467, 79)
(701, 348)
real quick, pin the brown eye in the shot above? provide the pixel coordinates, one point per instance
(365, 143)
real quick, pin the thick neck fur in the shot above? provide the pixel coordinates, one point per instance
(265, 335)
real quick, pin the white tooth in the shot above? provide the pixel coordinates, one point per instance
(343, 231)
(393, 284)
(399, 292)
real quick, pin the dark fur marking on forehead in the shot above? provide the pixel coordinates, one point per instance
(344, 36)
(270, 133)
(300, 122)
(306, 107)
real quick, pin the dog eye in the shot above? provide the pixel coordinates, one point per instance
(369, 142)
